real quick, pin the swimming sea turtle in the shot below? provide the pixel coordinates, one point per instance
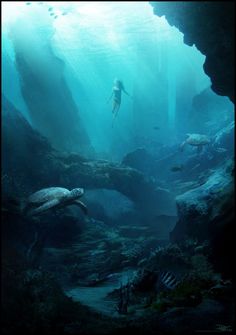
(196, 140)
(53, 197)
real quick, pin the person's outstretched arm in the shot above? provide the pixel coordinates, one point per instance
(126, 92)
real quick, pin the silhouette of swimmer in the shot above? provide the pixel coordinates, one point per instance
(116, 94)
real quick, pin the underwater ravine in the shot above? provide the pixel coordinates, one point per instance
(117, 168)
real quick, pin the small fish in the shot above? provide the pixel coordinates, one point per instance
(210, 123)
(177, 168)
(51, 14)
(221, 150)
(168, 280)
(55, 16)
(196, 166)
(156, 128)
(50, 9)
(28, 3)
(64, 13)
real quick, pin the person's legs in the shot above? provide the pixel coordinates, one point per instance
(114, 106)
(115, 111)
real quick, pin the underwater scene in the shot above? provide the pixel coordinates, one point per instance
(117, 167)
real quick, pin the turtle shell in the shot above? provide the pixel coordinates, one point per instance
(197, 139)
(47, 194)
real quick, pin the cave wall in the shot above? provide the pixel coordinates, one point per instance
(53, 111)
(51, 106)
(210, 112)
(210, 26)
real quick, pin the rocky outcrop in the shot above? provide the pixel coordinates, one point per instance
(52, 108)
(25, 153)
(49, 167)
(224, 138)
(198, 208)
(207, 109)
(210, 26)
(207, 213)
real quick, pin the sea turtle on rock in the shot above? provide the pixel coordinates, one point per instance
(196, 140)
(53, 197)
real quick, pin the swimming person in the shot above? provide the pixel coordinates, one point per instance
(116, 93)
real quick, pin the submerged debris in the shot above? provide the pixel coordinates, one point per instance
(124, 298)
(177, 168)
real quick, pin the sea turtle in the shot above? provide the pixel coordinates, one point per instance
(196, 140)
(53, 197)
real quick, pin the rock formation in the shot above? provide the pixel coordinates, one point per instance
(49, 167)
(210, 26)
(52, 108)
(207, 213)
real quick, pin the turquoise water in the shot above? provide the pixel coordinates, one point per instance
(97, 42)
(143, 193)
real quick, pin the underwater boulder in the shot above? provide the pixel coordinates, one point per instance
(207, 213)
(198, 208)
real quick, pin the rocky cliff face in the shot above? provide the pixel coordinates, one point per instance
(210, 26)
(52, 108)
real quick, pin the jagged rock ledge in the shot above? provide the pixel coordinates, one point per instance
(210, 26)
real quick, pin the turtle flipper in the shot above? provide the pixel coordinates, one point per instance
(82, 206)
(199, 148)
(47, 205)
(182, 145)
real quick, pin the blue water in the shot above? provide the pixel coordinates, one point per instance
(99, 41)
(59, 62)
